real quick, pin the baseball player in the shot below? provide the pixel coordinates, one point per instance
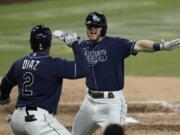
(104, 102)
(39, 78)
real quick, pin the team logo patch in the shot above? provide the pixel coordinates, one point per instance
(96, 18)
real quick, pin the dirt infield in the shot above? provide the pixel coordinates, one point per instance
(153, 101)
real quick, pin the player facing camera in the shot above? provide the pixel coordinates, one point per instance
(96, 26)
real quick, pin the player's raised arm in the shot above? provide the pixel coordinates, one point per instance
(79, 67)
(151, 46)
(81, 62)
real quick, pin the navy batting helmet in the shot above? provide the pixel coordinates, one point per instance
(40, 38)
(97, 19)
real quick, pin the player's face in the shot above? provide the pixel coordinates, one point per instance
(94, 33)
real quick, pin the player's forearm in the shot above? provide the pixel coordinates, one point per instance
(151, 46)
(144, 46)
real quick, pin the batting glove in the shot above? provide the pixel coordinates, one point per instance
(70, 38)
(59, 34)
(170, 45)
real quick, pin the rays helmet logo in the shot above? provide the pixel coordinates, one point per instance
(96, 18)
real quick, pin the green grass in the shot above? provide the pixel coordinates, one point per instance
(142, 19)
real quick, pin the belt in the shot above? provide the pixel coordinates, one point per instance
(28, 108)
(28, 117)
(32, 108)
(100, 94)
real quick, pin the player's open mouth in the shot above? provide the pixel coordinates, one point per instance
(93, 32)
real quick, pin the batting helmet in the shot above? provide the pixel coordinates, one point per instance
(97, 19)
(40, 38)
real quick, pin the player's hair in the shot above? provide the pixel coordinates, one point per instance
(40, 38)
(114, 129)
(97, 19)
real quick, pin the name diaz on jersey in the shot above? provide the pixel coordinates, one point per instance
(30, 64)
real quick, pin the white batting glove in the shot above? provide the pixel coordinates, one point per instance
(170, 45)
(70, 38)
(59, 34)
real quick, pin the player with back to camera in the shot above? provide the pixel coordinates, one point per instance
(39, 78)
(104, 102)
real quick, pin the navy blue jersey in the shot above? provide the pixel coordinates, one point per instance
(106, 60)
(39, 78)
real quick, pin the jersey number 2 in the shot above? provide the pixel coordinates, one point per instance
(28, 78)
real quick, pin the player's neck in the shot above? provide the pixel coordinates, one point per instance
(44, 52)
(97, 41)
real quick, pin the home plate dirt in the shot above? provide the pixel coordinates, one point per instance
(153, 105)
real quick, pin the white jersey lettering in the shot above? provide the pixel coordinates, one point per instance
(30, 64)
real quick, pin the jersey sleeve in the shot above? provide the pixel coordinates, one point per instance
(7, 83)
(74, 69)
(126, 47)
(10, 76)
(64, 68)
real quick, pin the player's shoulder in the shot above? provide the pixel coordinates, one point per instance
(33, 57)
(122, 40)
(19, 60)
(57, 60)
(84, 43)
(116, 38)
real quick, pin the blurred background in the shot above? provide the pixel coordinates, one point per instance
(140, 19)
(134, 19)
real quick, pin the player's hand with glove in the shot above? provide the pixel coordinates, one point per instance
(68, 38)
(59, 34)
(169, 45)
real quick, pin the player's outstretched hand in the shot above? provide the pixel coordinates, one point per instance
(169, 45)
(68, 38)
(59, 34)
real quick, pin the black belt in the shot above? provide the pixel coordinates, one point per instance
(28, 108)
(31, 108)
(99, 94)
(29, 118)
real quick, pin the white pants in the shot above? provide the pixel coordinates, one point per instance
(95, 113)
(45, 123)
